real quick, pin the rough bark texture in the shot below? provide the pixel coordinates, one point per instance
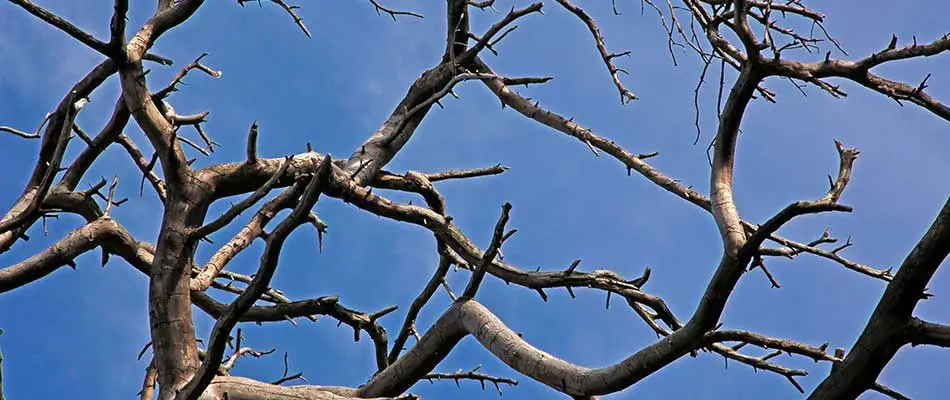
(722, 31)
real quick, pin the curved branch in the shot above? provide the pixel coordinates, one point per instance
(139, 99)
(468, 317)
(636, 162)
(61, 253)
(723, 206)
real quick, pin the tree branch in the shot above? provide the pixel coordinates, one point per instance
(473, 375)
(47, 168)
(409, 323)
(240, 207)
(885, 332)
(468, 317)
(605, 55)
(241, 240)
(929, 333)
(498, 237)
(859, 72)
(256, 288)
(61, 253)
(65, 26)
(109, 133)
(238, 388)
(828, 202)
(117, 27)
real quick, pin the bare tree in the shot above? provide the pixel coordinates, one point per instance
(748, 37)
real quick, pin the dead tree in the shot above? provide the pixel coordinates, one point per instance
(743, 36)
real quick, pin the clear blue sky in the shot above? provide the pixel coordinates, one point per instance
(78, 332)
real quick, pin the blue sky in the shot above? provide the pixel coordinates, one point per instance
(78, 332)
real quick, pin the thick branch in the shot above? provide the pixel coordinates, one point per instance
(723, 206)
(238, 388)
(929, 333)
(457, 29)
(885, 331)
(242, 206)
(117, 26)
(148, 384)
(139, 99)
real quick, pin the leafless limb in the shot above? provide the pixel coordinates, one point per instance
(888, 392)
(240, 207)
(290, 9)
(420, 301)
(147, 167)
(25, 135)
(67, 27)
(392, 13)
(884, 333)
(748, 36)
(498, 236)
(473, 375)
(257, 287)
(43, 176)
(608, 57)
(228, 365)
(860, 72)
(62, 253)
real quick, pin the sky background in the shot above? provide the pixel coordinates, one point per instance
(78, 332)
